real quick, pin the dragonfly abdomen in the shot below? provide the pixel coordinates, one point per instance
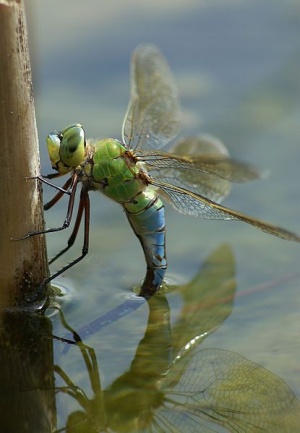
(147, 219)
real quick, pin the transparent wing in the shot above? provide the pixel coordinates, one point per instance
(201, 165)
(223, 388)
(190, 158)
(209, 186)
(190, 203)
(152, 118)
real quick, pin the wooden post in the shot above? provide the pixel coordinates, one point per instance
(26, 361)
(23, 263)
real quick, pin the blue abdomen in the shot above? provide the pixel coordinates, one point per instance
(147, 219)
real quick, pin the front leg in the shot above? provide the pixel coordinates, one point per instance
(68, 188)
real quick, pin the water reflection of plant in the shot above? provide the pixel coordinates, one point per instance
(172, 385)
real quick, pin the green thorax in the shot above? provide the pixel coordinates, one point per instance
(113, 170)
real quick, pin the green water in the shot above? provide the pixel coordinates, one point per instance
(237, 67)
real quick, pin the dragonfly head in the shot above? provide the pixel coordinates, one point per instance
(66, 148)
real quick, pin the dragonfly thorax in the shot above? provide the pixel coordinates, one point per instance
(113, 171)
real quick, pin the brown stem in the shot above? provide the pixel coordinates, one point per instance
(23, 264)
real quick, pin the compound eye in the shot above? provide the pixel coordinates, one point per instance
(66, 149)
(72, 146)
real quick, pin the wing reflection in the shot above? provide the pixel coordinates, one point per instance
(174, 386)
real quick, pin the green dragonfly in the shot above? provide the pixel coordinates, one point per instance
(194, 178)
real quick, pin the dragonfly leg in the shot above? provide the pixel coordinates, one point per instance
(73, 181)
(74, 233)
(84, 207)
(66, 189)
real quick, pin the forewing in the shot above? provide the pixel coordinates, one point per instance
(152, 118)
(196, 154)
(199, 164)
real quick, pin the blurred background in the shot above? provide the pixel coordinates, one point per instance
(237, 65)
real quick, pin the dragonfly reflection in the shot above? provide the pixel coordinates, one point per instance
(172, 386)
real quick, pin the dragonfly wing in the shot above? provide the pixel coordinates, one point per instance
(190, 203)
(203, 144)
(209, 186)
(215, 164)
(200, 164)
(152, 118)
(212, 156)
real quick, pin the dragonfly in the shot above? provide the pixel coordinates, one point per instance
(194, 178)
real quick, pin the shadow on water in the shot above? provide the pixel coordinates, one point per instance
(171, 385)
